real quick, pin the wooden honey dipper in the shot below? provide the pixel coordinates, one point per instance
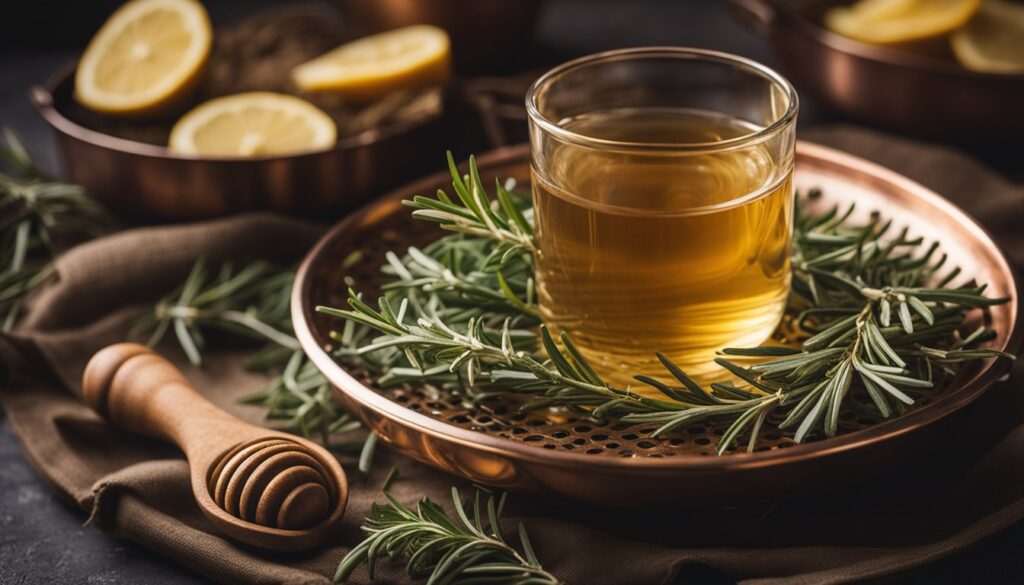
(261, 487)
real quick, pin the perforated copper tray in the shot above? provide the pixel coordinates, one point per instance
(619, 464)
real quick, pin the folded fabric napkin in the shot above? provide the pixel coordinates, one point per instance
(969, 488)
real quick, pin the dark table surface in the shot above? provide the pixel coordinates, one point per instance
(43, 540)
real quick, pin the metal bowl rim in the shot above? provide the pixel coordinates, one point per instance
(42, 97)
(887, 55)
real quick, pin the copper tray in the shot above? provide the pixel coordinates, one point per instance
(148, 181)
(616, 463)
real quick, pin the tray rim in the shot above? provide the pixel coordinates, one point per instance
(941, 409)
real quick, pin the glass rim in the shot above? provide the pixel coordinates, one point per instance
(689, 53)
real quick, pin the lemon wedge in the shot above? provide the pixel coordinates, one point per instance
(993, 41)
(374, 66)
(891, 22)
(253, 124)
(145, 59)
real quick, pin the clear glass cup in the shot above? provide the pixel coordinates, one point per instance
(663, 202)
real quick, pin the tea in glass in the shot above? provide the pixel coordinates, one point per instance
(663, 206)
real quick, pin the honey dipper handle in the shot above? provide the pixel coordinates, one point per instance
(142, 392)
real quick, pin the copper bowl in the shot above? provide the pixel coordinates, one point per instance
(917, 94)
(615, 463)
(148, 181)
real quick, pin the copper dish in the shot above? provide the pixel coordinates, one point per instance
(148, 181)
(613, 463)
(918, 94)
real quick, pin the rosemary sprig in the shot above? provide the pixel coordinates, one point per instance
(465, 279)
(502, 220)
(39, 218)
(299, 398)
(873, 315)
(468, 550)
(252, 302)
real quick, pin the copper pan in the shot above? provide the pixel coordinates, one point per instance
(148, 181)
(906, 92)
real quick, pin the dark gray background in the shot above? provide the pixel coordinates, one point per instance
(42, 540)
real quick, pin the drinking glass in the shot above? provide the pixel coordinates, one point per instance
(663, 202)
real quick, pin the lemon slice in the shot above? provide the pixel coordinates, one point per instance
(371, 67)
(889, 22)
(253, 124)
(874, 10)
(145, 58)
(993, 41)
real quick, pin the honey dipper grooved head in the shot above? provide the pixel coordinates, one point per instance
(273, 482)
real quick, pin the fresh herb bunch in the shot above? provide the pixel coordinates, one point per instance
(470, 549)
(39, 218)
(467, 283)
(251, 302)
(872, 315)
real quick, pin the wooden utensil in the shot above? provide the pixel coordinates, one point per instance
(261, 487)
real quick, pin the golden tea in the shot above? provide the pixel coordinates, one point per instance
(682, 252)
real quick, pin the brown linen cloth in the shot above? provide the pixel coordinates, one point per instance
(138, 489)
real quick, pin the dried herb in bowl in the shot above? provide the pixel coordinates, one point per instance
(257, 54)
